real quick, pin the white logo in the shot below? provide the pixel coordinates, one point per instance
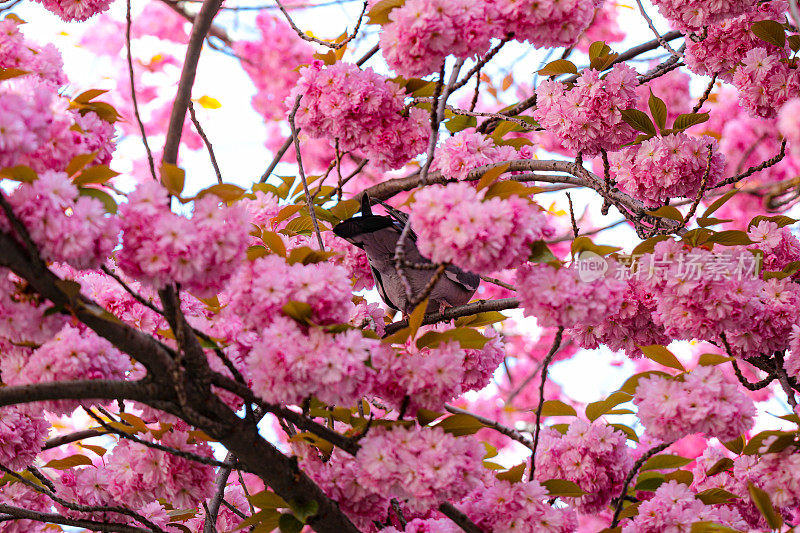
(590, 266)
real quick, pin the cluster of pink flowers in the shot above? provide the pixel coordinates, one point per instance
(70, 10)
(137, 475)
(227, 519)
(675, 507)
(774, 473)
(457, 225)
(465, 151)
(22, 318)
(25, 118)
(361, 109)
(765, 82)
(23, 431)
(269, 62)
(726, 43)
(667, 167)
(780, 246)
(587, 117)
(523, 507)
(432, 376)
(594, 456)
(71, 354)
(262, 287)
(629, 328)
(18, 494)
(789, 126)
(15, 52)
(63, 225)
(792, 359)
(422, 33)
(694, 14)
(352, 259)
(704, 402)
(559, 297)
(421, 466)
(289, 363)
(161, 247)
(549, 23)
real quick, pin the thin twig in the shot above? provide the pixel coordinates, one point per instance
(636, 466)
(575, 229)
(133, 91)
(498, 282)
(481, 306)
(482, 62)
(659, 38)
(303, 35)
(219, 492)
(309, 201)
(701, 191)
(206, 141)
(495, 425)
(756, 168)
(538, 428)
(278, 155)
(751, 386)
(705, 94)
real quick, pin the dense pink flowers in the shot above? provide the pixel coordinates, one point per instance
(694, 14)
(422, 33)
(559, 297)
(361, 109)
(22, 317)
(456, 224)
(70, 10)
(545, 23)
(765, 82)
(465, 151)
(419, 465)
(161, 247)
(502, 506)
(267, 62)
(23, 431)
(587, 117)
(675, 507)
(65, 226)
(667, 167)
(703, 402)
(592, 455)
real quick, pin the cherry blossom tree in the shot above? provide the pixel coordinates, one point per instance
(184, 357)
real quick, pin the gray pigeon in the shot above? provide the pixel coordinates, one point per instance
(378, 235)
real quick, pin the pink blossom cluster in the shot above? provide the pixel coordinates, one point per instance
(22, 316)
(780, 246)
(456, 224)
(674, 507)
(703, 402)
(25, 116)
(432, 376)
(426, 525)
(549, 23)
(289, 363)
(774, 473)
(699, 297)
(559, 297)
(18, 494)
(420, 466)
(161, 247)
(136, 475)
(694, 14)
(594, 456)
(587, 118)
(792, 359)
(70, 10)
(23, 431)
(422, 33)
(604, 27)
(789, 125)
(16, 52)
(160, 21)
(726, 43)
(465, 151)
(72, 354)
(363, 110)
(352, 259)
(227, 519)
(109, 294)
(629, 328)
(269, 62)
(262, 287)
(63, 225)
(502, 506)
(662, 168)
(765, 82)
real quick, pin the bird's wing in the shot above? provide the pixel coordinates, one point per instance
(400, 218)
(468, 280)
(382, 290)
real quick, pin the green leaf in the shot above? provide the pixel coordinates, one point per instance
(268, 519)
(687, 120)
(638, 120)
(467, 338)
(286, 212)
(597, 409)
(665, 462)
(426, 416)
(299, 225)
(287, 523)
(711, 527)
(629, 432)
(87, 96)
(416, 317)
(794, 42)
(648, 245)
(704, 222)
(379, 14)
(513, 474)
(491, 175)
(460, 122)
(69, 462)
(557, 408)
(304, 510)
(681, 476)
(713, 359)
(658, 109)
(764, 505)
(79, 162)
(173, 178)
(460, 424)
(227, 192)
(274, 242)
(70, 288)
(8, 73)
(540, 253)
(480, 319)
(559, 66)
(99, 450)
(736, 445)
(299, 311)
(106, 199)
(649, 481)
(507, 189)
(770, 31)
(267, 499)
(598, 49)
(564, 488)
(780, 220)
(730, 238)
(96, 174)
(667, 211)
(715, 495)
(19, 173)
(584, 244)
(719, 202)
(255, 252)
(630, 511)
(632, 382)
(662, 356)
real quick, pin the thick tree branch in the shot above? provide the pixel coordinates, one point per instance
(53, 518)
(84, 389)
(481, 306)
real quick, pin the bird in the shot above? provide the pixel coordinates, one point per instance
(377, 235)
